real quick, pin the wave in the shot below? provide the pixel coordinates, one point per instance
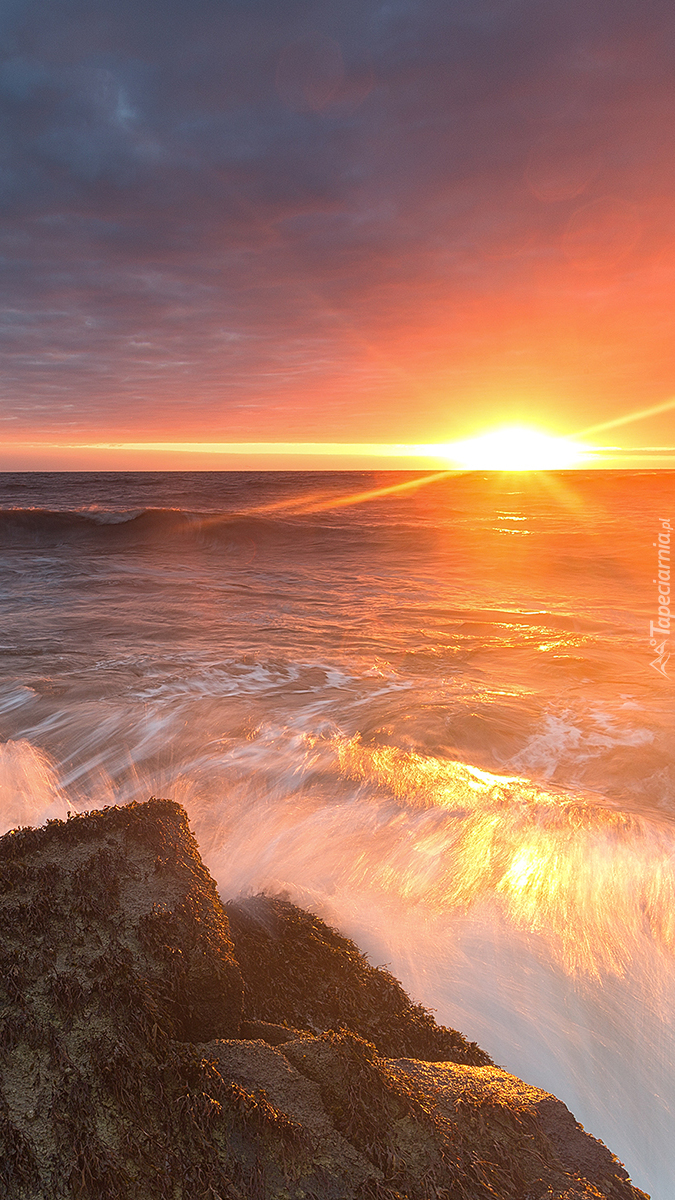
(43, 527)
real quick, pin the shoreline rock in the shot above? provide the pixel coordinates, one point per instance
(299, 971)
(156, 1045)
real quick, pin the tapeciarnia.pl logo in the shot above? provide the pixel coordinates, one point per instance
(659, 631)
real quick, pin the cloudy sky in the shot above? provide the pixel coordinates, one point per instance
(280, 221)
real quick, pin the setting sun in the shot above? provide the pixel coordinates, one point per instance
(516, 449)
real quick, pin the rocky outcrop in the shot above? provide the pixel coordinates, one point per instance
(114, 953)
(491, 1107)
(299, 971)
(128, 1070)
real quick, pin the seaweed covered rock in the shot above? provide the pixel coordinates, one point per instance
(328, 1164)
(374, 1131)
(113, 943)
(298, 971)
(126, 1072)
(491, 1108)
(105, 906)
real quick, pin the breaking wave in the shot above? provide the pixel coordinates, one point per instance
(161, 527)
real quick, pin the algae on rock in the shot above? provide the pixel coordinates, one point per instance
(298, 970)
(114, 951)
(130, 1071)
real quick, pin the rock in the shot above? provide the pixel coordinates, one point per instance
(117, 896)
(127, 1073)
(495, 1096)
(298, 971)
(465, 1131)
(274, 1035)
(114, 949)
(332, 1166)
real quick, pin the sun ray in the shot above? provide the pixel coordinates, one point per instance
(326, 502)
(628, 418)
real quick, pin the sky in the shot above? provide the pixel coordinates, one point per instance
(229, 227)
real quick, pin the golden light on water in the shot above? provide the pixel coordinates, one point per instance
(594, 883)
(516, 449)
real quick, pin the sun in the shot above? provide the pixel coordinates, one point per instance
(515, 448)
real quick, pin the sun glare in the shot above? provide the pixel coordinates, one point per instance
(516, 449)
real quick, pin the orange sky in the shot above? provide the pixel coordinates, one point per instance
(369, 225)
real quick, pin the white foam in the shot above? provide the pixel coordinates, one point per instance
(29, 790)
(102, 516)
(568, 736)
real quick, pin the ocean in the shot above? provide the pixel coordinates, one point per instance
(427, 708)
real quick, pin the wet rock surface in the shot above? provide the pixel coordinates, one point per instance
(151, 1048)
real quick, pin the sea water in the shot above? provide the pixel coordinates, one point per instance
(425, 707)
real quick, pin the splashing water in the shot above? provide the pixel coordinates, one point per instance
(29, 790)
(529, 919)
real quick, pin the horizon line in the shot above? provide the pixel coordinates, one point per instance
(437, 453)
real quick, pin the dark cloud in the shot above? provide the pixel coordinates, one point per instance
(217, 210)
